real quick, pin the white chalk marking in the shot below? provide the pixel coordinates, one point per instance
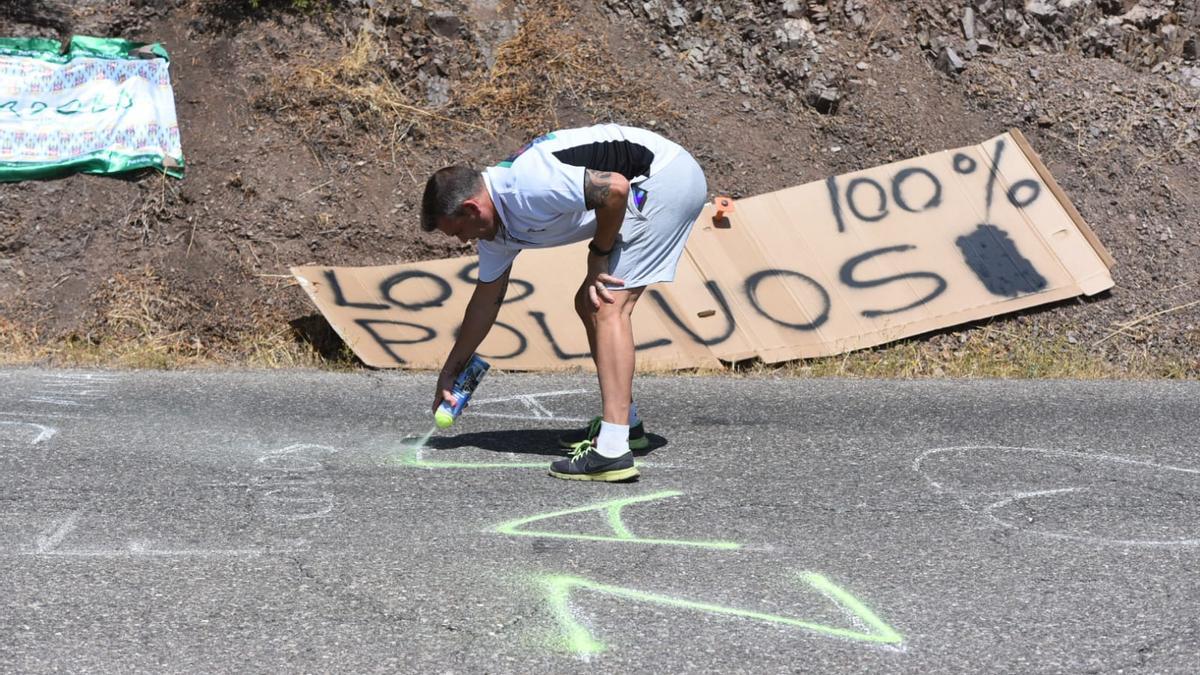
(72, 394)
(142, 549)
(287, 462)
(297, 447)
(89, 380)
(519, 397)
(53, 401)
(296, 493)
(47, 544)
(538, 409)
(278, 460)
(514, 416)
(1075, 537)
(45, 433)
(37, 414)
(1011, 496)
(276, 463)
(1065, 453)
(326, 499)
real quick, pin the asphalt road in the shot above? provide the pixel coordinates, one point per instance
(309, 522)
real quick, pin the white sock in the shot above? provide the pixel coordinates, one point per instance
(613, 440)
(634, 420)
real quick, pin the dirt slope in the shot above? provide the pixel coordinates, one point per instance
(308, 135)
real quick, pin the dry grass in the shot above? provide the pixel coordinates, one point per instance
(139, 326)
(156, 204)
(18, 344)
(548, 64)
(132, 327)
(357, 80)
(271, 349)
(1052, 358)
(989, 352)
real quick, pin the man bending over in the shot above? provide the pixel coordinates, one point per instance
(634, 195)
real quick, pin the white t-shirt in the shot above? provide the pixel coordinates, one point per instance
(538, 192)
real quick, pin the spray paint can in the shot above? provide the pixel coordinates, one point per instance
(463, 387)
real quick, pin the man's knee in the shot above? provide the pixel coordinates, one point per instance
(606, 312)
(622, 308)
(583, 306)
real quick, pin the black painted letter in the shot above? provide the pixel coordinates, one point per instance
(339, 298)
(847, 277)
(715, 291)
(755, 279)
(369, 326)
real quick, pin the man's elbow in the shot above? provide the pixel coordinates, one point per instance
(618, 192)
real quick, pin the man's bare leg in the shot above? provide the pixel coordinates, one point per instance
(583, 307)
(614, 354)
(610, 331)
(610, 337)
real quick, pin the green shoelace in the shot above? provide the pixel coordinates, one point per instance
(581, 448)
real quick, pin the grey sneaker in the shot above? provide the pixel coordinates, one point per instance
(637, 435)
(587, 464)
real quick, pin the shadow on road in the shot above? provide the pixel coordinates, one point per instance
(525, 441)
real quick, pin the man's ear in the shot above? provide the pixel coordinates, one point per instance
(470, 208)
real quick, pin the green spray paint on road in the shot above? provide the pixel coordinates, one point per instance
(578, 640)
(612, 509)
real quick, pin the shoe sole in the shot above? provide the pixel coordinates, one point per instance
(634, 443)
(605, 476)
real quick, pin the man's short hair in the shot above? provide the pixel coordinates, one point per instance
(445, 193)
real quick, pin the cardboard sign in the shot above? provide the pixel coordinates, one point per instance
(850, 262)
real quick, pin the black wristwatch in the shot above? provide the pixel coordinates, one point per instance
(599, 251)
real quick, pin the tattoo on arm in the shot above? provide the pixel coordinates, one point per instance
(597, 185)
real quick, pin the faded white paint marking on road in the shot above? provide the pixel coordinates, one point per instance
(519, 397)
(48, 543)
(87, 377)
(1008, 497)
(142, 548)
(514, 416)
(54, 401)
(38, 414)
(45, 433)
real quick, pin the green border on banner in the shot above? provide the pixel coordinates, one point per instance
(82, 46)
(100, 162)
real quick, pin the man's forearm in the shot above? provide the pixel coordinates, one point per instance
(608, 224)
(477, 322)
(606, 192)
